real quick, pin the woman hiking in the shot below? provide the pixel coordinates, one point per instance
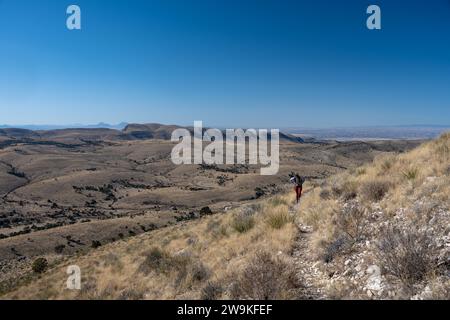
(298, 181)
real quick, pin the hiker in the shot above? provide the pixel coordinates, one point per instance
(298, 181)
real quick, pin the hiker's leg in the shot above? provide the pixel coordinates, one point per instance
(300, 189)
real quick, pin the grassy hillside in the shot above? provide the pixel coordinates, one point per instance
(381, 231)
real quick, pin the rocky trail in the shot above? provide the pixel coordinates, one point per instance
(306, 267)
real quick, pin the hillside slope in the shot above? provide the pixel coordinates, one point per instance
(381, 231)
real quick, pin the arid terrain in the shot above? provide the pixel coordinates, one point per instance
(67, 192)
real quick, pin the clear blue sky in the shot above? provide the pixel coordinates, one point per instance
(246, 63)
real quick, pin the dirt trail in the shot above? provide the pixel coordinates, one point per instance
(306, 266)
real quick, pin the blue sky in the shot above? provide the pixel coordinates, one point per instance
(246, 63)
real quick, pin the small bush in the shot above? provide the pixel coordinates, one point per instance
(411, 174)
(387, 164)
(407, 254)
(347, 190)
(243, 222)
(259, 192)
(39, 265)
(206, 211)
(278, 219)
(131, 294)
(325, 194)
(266, 278)
(350, 221)
(361, 171)
(374, 190)
(212, 291)
(336, 247)
(96, 244)
(155, 260)
(182, 266)
(199, 272)
(59, 248)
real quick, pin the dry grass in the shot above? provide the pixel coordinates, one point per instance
(278, 217)
(191, 260)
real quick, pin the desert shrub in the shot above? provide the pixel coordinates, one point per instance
(350, 221)
(182, 266)
(243, 222)
(155, 260)
(113, 261)
(198, 272)
(374, 190)
(187, 271)
(277, 219)
(387, 164)
(411, 174)
(59, 248)
(407, 254)
(325, 194)
(206, 211)
(347, 190)
(211, 291)
(217, 229)
(259, 192)
(39, 265)
(96, 244)
(361, 171)
(131, 294)
(266, 278)
(337, 246)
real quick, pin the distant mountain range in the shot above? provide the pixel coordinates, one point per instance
(158, 131)
(118, 126)
(102, 132)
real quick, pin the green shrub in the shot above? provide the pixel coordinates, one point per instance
(96, 244)
(411, 174)
(59, 248)
(39, 265)
(206, 211)
(361, 171)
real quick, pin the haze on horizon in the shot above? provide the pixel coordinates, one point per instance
(230, 64)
